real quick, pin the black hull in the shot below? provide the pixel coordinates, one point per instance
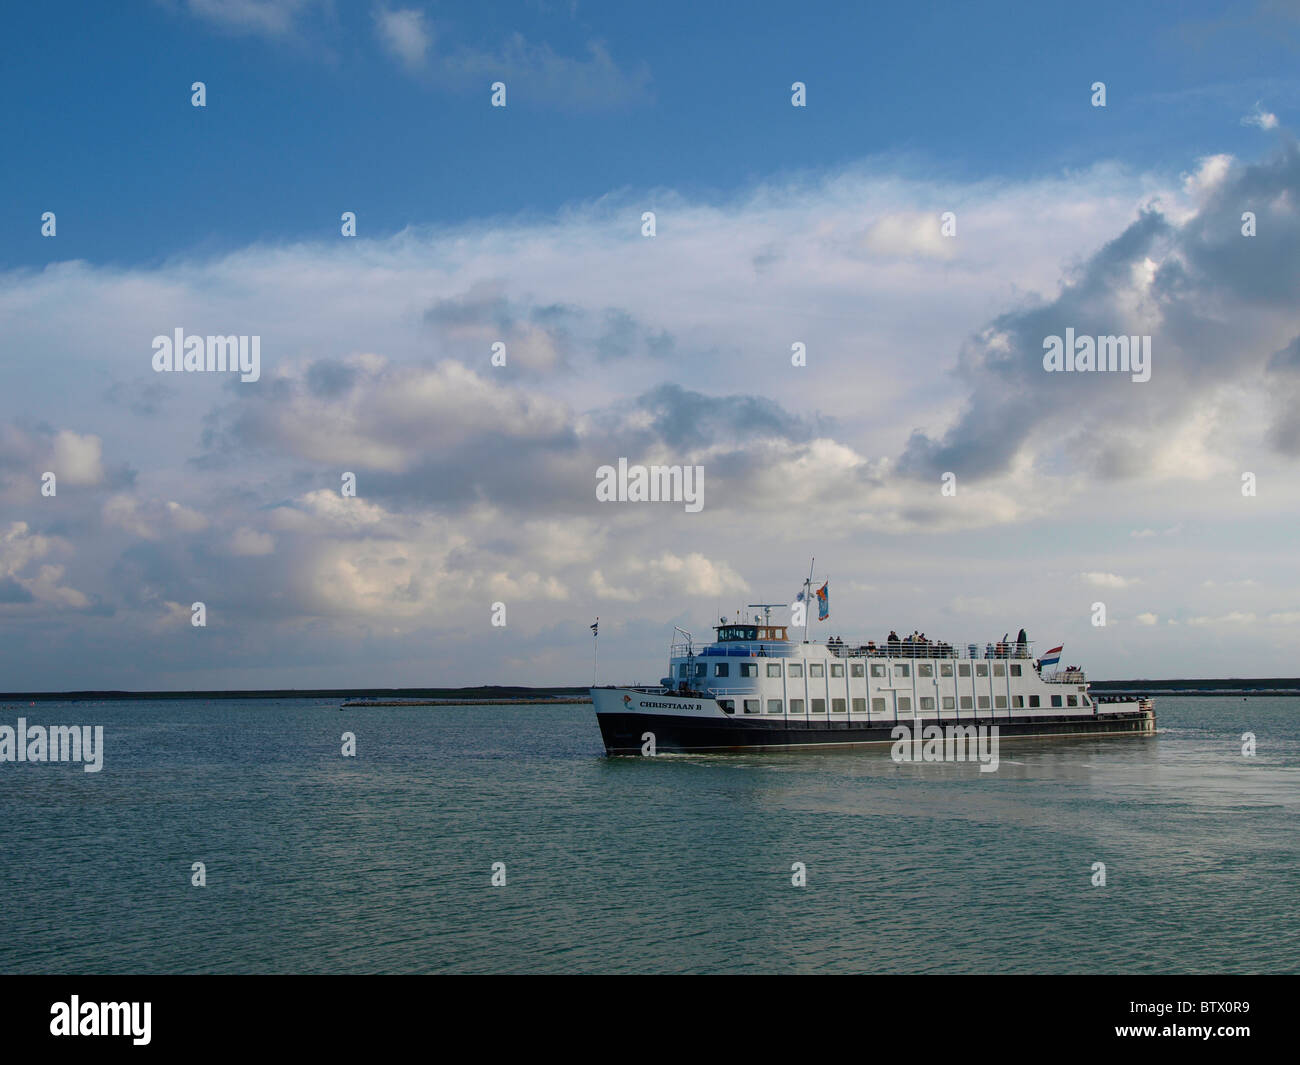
(675, 734)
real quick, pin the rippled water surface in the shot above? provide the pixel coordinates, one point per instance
(382, 863)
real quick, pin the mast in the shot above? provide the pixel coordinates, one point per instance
(807, 597)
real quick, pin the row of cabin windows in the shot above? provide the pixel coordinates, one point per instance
(856, 669)
(926, 669)
(838, 706)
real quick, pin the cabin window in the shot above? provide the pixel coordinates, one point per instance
(681, 670)
(819, 706)
(775, 706)
(795, 669)
(1017, 702)
(877, 669)
(837, 706)
(774, 669)
(1056, 700)
(999, 669)
(949, 703)
(963, 669)
(927, 702)
(945, 669)
(701, 669)
(984, 702)
(877, 706)
(902, 670)
(981, 669)
(816, 669)
(1033, 702)
(904, 704)
(1085, 701)
(966, 703)
(796, 706)
(727, 705)
(751, 706)
(1015, 670)
(857, 669)
(860, 706)
(925, 669)
(999, 702)
(1071, 700)
(749, 669)
(720, 669)
(837, 669)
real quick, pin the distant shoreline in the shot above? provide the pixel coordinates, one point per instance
(498, 695)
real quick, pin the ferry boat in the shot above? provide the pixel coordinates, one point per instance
(754, 687)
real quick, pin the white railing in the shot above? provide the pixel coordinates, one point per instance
(932, 649)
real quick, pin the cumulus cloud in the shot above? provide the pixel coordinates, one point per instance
(405, 34)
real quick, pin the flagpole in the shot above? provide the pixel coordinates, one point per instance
(595, 643)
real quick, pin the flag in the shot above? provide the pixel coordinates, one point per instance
(1052, 657)
(824, 602)
(595, 626)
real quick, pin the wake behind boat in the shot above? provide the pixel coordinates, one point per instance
(754, 687)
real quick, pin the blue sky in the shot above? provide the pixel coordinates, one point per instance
(310, 113)
(776, 225)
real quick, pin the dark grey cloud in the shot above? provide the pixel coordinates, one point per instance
(1203, 309)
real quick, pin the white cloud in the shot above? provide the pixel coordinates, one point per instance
(1260, 118)
(405, 34)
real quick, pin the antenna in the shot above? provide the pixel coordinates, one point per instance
(807, 597)
(767, 610)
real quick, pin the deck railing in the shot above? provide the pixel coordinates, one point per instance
(931, 649)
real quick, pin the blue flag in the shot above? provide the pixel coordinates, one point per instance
(824, 601)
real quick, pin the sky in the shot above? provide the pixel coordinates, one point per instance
(949, 195)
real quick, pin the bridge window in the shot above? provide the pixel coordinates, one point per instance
(878, 669)
(945, 669)
(1017, 702)
(795, 669)
(749, 669)
(999, 669)
(774, 669)
(681, 670)
(1015, 670)
(728, 706)
(902, 670)
(816, 669)
(927, 702)
(837, 669)
(966, 703)
(859, 706)
(775, 706)
(720, 669)
(751, 706)
(837, 706)
(963, 669)
(856, 669)
(925, 669)
(981, 669)
(877, 706)
(1056, 700)
(999, 702)
(949, 703)
(796, 706)
(1071, 700)
(701, 669)
(904, 704)
(1033, 702)
(984, 702)
(819, 706)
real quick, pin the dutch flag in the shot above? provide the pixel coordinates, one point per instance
(1052, 657)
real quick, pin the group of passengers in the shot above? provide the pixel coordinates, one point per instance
(918, 645)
